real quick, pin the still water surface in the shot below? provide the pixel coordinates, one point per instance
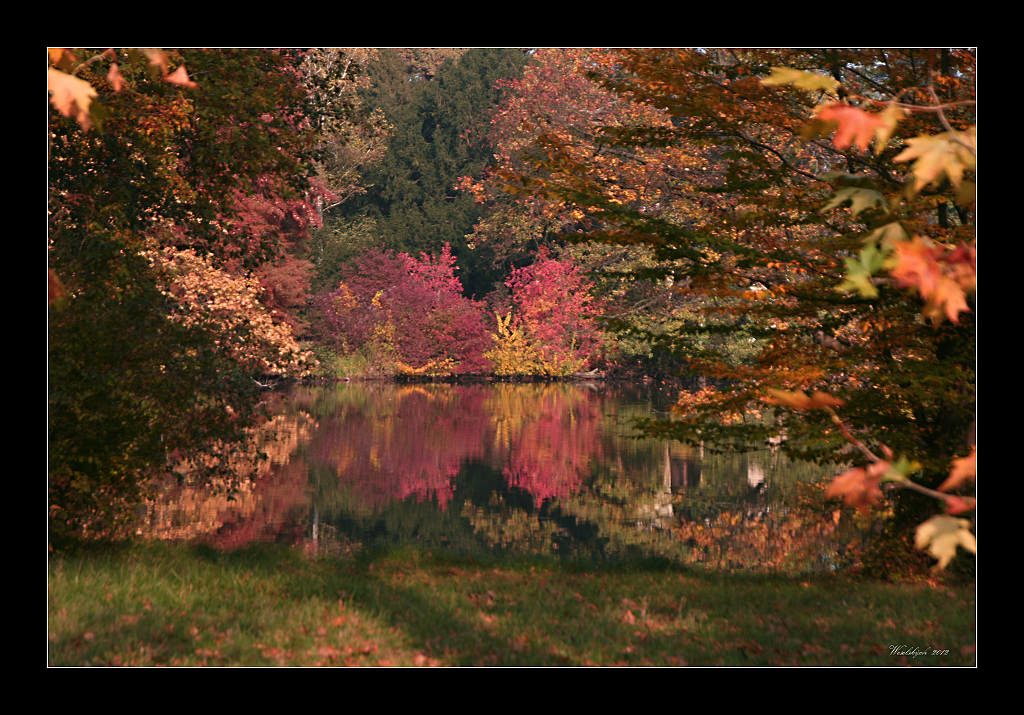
(543, 468)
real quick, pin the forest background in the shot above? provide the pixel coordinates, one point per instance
(356, 212)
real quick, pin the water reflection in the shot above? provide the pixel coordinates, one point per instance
(542, 468)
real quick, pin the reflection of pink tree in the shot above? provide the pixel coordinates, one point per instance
(416, 447)
(413, 440)
(551, 454)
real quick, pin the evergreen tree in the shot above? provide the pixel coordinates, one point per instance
(440, 127)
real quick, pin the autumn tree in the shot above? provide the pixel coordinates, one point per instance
(167, 187)
(810, 240)
(552, 328)
(556, 99)
(407, 315)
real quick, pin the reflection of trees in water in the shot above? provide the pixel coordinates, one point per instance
(551, 434)
(682, 467)
(414, 440)
(269, 504)
(410, 441)
(540, 468)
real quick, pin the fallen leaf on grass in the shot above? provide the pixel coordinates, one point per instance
(518, 643)
(422, 660)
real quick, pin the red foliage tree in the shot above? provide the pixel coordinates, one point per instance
(557, 313)
(416, 305)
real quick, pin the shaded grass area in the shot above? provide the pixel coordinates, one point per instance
(161, 604)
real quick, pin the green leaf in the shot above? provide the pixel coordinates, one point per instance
(900, 470)
(887, 235)
(872, 258)
(860, 199)
(858, 279)
(859, 272)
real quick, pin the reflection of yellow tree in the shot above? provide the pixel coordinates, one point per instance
(512, 407)
(550, 434)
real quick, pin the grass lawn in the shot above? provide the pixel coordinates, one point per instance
(161, 604)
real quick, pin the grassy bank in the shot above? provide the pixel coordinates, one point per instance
(160, 604)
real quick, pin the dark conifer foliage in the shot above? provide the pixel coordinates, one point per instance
(440, 127)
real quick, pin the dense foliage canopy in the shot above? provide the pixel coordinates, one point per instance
(766, 243)
(409, 314)
(167, 187)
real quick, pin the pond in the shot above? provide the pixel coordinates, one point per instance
(539, 468)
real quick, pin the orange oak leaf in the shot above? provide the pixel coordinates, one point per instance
(180, 77)
(855, 125)
(958, 505)
(859, 487)
(918, 265)
(963, 469)
(114, 77)
(72, 96)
